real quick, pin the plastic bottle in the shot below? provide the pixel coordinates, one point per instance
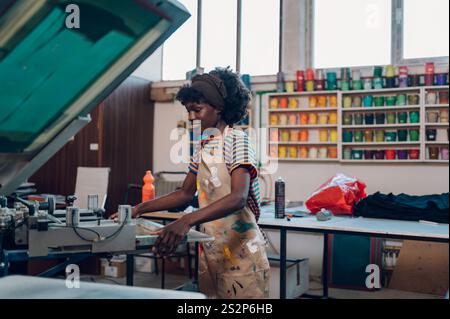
(279, 198)
(148, 190)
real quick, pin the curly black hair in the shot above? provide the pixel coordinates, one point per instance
(236, 102)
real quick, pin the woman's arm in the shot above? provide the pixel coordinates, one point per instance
(171, 235)
(172, 200)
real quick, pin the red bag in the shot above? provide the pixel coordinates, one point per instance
(339, 194)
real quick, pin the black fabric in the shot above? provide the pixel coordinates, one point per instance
(404, 207)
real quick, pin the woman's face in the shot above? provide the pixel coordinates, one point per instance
(203, 112)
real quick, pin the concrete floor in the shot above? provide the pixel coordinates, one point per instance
(152, 280)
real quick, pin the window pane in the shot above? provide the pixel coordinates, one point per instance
(425, 28)
(352, 33)
(260, 37)
(179, 51)
(219, 19)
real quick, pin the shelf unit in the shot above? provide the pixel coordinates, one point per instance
(302, 108)
(422, 107)
(438, 105)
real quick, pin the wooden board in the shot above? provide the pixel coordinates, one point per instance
(422, 267)
(163, 215)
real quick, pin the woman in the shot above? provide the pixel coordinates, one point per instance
(223, 171)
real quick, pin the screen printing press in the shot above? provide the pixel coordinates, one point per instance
(59, 59)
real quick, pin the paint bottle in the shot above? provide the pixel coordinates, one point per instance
(280, 81)
(331, 81)
(148, 190)
(320, 80)
(279, 198)
(310, 80)
(429, 74)
(300, 81)
(403, 76)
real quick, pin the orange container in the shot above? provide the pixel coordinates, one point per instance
(332, 152)
(303, 118)
(283, 103)
(294, 136)
(333, 101)
(148, 189)
(273, 103)
(274, 136)
(333, 118)
(323, 118)
(273, 119)
(293, 119)
(293, 103)
(312, 118)
(293, 151)
(304, 136)
(303, 152)
(282, 151)
(312, 102)
(322, 101)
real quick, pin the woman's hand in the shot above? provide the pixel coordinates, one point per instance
(170, 237)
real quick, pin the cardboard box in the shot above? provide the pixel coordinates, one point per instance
(144, 264)
(116, 267)
(297, 279)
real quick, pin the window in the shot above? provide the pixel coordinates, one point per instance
(425, 28)
(352, 33)
(260, 37)
(179, 51)
(219, 25)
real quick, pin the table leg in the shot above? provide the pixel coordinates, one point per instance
(130, 270)
(325, 266)
(283, 239)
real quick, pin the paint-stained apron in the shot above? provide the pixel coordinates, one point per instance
(235, 264)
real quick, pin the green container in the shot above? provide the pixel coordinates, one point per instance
(345, 86)
(348, 119)
(391, 100)
(357, 154)
(377, 72)
(414, 117)
(347, 136)
(391, 136)
(379, 100)
(357, 85)
(401, 100)
(359, 136)
(391, 118)
(414, 135)
(359, 119)
(403, 117)
(402, 135)
(377, 83)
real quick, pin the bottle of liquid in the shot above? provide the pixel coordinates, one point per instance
(279, 198)
(280, 82)
(148, 190)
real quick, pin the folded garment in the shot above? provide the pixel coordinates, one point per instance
(405, 207)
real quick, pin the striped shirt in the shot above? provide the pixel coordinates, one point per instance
(238, 152)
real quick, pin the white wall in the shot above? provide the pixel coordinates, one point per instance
(151, 68)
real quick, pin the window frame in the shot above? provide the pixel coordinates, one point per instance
(397, 21)
(238, 38)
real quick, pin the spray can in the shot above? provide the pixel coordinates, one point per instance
(279, 198)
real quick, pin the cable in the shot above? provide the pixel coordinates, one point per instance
(78, 234)
(120, 228)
